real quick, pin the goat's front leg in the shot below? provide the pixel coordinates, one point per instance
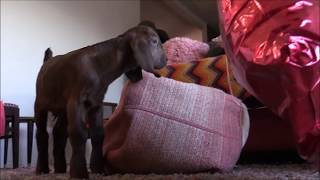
(97, 135)
(60, 136)
(78, 135)
(42, 140)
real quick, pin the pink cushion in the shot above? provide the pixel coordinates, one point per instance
(182, 50)
(165, 126)
(2, 120)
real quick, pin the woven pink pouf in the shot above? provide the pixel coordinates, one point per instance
(165, 126)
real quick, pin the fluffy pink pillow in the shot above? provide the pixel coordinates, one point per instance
(182, 49)
(165, 126)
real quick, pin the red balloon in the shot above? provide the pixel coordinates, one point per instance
(274, 50)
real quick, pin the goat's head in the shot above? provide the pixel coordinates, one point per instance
(146, 49)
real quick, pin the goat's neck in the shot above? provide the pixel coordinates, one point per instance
(114, 59)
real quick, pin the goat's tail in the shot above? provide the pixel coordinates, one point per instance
(47, 55)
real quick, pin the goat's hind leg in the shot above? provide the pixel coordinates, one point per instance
(97, 135)
(59, 144)
(78, 135)
(42, 139)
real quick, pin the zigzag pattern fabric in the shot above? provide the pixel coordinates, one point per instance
(211, 72)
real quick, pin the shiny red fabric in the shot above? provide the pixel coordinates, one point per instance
(273, 47)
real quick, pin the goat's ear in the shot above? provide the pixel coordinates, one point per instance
(134, 75)
(142, 52)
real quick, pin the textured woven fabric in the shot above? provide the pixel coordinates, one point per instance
(210, 72)
(165, 126)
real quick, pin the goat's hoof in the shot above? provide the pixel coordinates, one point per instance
(79, 175)
(62, 168)
(83, 174)
(97, 168)
(42, 170)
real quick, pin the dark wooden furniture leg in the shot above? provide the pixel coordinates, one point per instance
(6, 138)
(30, 125)
(12, 112)
(15, 139)
(30, 140)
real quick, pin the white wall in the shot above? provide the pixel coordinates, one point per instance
(29, 27)
(167, 16)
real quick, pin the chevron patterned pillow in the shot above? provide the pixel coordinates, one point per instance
(211, 72)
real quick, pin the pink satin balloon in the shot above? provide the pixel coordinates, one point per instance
(274, 51)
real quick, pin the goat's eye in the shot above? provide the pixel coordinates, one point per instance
(154, 41)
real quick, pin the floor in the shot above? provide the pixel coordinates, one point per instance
(253, 171)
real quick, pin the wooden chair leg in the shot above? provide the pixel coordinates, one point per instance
(6, 139)
(5, 150)
(30, 140)
(15, 140)
(12, 126)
